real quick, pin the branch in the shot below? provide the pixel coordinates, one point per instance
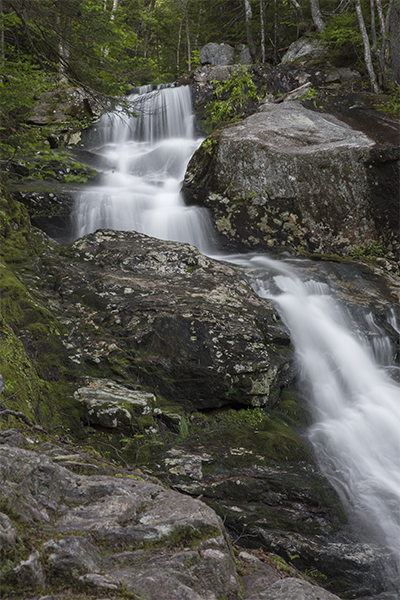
(282, 98)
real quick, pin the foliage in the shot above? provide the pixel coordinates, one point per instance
(343, 38)
(231, 96)
(394, 103)
(374, 250)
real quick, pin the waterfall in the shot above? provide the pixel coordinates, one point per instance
(355, 403)
(145, 159)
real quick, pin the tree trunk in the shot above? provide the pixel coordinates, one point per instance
(262, 19)
(317, 16)
(189, 53)
(367, 48)
(148, 30)
(394, 33)
(384, 58)
(248, 15)
(2, 50)
(178, 58)
(373, 28)
(114, 9)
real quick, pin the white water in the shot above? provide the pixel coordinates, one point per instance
(147, 159)
(356, 406)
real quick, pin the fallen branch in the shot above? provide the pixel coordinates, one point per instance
(18, 415)
(282, 98)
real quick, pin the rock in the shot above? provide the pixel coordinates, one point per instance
(59, 107)
(209, 342)
(71, 556)
(292, 177)
(11, 437)
(111, 405)
(293, 589)
(30, 573)
(224, 54)
(177, 545)
(341, 75)
(257, 575)
(304, 50)
(8, 533)
(50, 207)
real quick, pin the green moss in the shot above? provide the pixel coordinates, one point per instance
(291, 410)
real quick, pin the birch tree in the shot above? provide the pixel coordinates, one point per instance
(317, 16)
(367, 48)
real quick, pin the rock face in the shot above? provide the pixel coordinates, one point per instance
(291, 177)
(182, 323)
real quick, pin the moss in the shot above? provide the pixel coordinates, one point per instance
(291, 410)
(253, 430)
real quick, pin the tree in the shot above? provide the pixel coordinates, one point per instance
(317, 16)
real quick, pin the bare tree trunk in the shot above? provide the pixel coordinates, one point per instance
(148, 30)
(317, 16)
(179, 46)
(2, 49)
(367, 48)
(188, 36)
(114, 9)
(63, 45)
(394, 32)
(248, 15)
(262, 19)
(275, 32)
(373, 27)
(383, 57)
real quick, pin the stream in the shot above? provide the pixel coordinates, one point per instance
(346, 368)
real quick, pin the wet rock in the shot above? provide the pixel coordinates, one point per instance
(50, 207)
(291, 177)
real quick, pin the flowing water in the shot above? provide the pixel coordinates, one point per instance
(146, 159)
(355, 403)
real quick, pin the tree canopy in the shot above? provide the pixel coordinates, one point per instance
(103, 46)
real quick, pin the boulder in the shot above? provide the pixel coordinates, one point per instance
(296, 178)
(224, 54)
(305, 50)
(186, 325)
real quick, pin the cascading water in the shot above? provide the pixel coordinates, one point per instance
(145, 159)
(356, 406)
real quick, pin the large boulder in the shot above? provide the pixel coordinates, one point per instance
(186, 325)
(296, 178)
(224, 54)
